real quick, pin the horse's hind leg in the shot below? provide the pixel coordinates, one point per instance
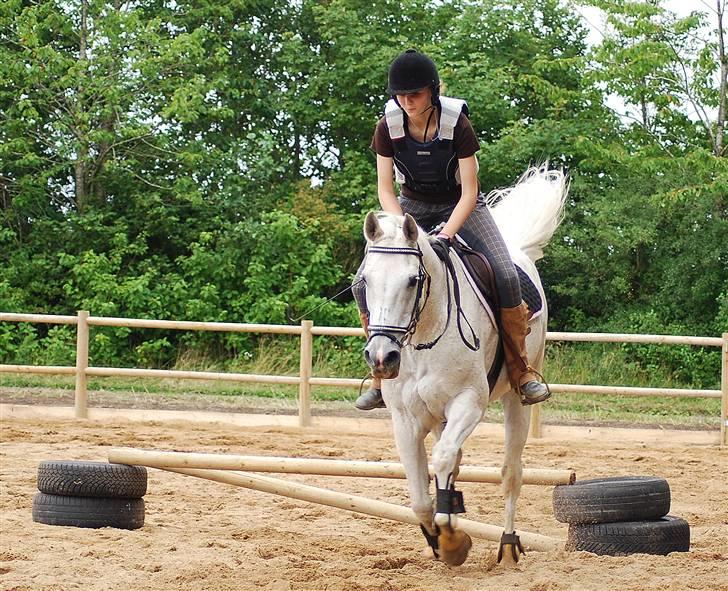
(463, 415)
(517, 419)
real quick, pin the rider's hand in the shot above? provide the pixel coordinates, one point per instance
(441, 244)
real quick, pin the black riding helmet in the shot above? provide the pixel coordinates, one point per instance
(412, 71)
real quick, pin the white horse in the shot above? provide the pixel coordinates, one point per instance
(442, 388)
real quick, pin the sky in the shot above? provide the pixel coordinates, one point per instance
(594, 19)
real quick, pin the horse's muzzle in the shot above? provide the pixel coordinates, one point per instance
(383, 357)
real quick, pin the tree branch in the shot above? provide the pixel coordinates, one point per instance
(699, 109)
(656, 137)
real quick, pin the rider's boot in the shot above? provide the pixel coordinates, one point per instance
(372, 398)
(523, 377)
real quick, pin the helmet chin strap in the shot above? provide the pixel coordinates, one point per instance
(427, 126)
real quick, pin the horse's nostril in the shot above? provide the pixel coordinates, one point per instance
(392, 358)
(367, 357)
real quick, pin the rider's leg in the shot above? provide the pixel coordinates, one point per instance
(372, 398)
(523, 377)
(481, 232)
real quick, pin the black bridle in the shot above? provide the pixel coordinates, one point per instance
(424, 281)
(423, 287)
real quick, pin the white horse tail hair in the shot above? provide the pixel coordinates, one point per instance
(529, 213)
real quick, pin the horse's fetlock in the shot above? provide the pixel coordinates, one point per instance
(445, 520)
(423, 512)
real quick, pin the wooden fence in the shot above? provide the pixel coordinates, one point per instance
(306, 331)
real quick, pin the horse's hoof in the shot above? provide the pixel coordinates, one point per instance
(508, 554)
(510, 549)
(454, 546)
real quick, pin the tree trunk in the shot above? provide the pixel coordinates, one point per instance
(643, 104)
(80, 177)
(723, 80)
(80, 168)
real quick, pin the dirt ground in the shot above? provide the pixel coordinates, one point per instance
(208, 536)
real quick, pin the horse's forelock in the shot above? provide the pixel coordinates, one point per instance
(391, 226)
(393, 233)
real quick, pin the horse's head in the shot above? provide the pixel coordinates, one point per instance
(395, 280)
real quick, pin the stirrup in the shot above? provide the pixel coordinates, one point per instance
(370, 400)
(532, 391)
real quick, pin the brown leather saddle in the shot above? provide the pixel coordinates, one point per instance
(482, 273)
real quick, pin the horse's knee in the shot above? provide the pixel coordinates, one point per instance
(511, 477)
(444, 460)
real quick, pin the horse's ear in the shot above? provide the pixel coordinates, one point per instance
(372, 230)
(410, 228)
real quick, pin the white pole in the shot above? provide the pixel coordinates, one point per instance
(724, 394)
(535, 428)
(330, 498)
(81, 396)
(322, 467)
(305, 365)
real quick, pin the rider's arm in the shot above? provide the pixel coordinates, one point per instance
(466, 205)
(385, 185)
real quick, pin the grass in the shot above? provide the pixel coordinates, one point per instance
(566, 363)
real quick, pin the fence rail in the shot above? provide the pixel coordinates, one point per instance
(306, 331)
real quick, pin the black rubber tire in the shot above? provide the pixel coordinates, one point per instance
(88, 511)
(608, 500)
(92, 479)
(661, 536)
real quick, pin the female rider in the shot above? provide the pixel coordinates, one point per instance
(427, 143)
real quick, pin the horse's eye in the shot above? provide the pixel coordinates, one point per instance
(412, 281)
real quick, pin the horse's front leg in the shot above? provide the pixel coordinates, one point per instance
(409, 435)
(463, 413)
(516, 419)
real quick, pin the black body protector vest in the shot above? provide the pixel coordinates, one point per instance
(430, 167)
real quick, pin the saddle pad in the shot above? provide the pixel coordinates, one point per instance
(529, 292)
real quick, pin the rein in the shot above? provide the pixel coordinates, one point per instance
(447, 261)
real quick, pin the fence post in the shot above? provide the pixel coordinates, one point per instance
(81, 397)
(535, 429)
(304, 386)
(724, 393)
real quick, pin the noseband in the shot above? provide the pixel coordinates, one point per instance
(423, 286)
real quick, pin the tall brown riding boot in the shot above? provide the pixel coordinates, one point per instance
(372, 398)
(523, 378)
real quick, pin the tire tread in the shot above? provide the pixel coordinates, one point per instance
(92, 479)
(609, 500)
(661, 536)
(91, 512)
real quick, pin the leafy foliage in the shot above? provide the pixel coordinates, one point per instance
(210, 161)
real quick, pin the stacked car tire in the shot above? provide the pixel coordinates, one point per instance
(90, 494)
(620, 515)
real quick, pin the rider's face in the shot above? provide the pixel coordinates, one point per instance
(416, 103)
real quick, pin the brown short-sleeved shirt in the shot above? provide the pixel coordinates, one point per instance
(465, 144)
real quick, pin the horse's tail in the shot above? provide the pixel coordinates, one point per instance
(528, 213)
